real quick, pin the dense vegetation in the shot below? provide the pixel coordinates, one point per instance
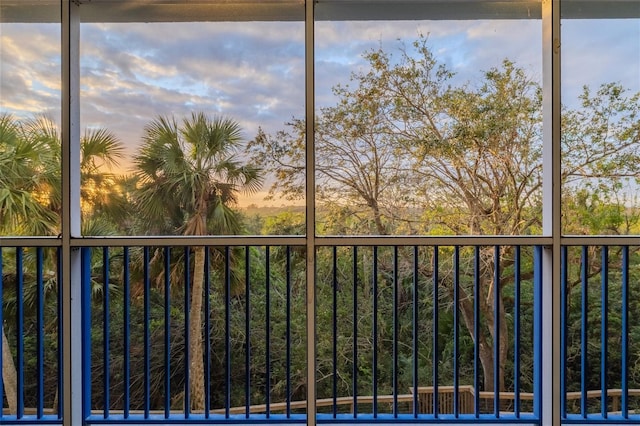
(403, 151)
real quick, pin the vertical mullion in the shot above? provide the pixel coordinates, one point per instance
(288, 331)
(207, 330)
(496, 332)
(310, 210)
(127, 332)
(20, 331)
(547, 399)
(516, 332)
(604, 334)
(415, 321)
(40, 330)
(187, 354)
(355, 332)
(435, 327)
(267, 331)
(247, 324)
(395, 332)
(147, 332)
(375, 332)
(476, 331)
(584, 335)
(167, 333)
(75, 325)
(227, 331)
(564, 318)
(106, 316)
(625, 332)
(456, 327)
(335, 332)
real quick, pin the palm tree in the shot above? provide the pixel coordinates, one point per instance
(30, 190)
(190, 176)
(27, 187)
(29, 177)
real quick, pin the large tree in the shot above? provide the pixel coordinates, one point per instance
(454, 158)
(190, 178)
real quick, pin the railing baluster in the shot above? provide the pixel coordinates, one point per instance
(288, 331)
(335, 332)
(415, 320)
(3, 333)
(516, 332)
(456, 328)
(227, 334)
(167, 333)
(496, 332)
(106, 314)
(625, 332)
(267, 331)
(187, 353)
(537, 330)
(476, 331)
(127, 332)
(147, 333)
(565, 327)
(247, 314)
(58, 327)
(40, 330)
(395, 332)
(435, 326)
(87, 345)
(20, 330)
(584, 335)
(375, 332)
(355, 332)
(207, 330)
(604, 334)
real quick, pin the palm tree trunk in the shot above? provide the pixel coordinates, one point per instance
(9, 375)
(196, 362)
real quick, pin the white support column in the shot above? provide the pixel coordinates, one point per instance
(552, 226)
(310, 209)
(71, 261)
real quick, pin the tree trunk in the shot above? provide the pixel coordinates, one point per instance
(196, 361)
(9, 376)
(485, 348)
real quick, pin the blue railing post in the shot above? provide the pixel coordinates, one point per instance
(584, 366)
(625, 332)
(604, 332)
(1, 339)
(20, 330)
(537, 331)
(40, 329)
(86, 331)
(564, 319)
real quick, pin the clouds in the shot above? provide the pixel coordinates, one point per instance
(30, 74)
(254, 72)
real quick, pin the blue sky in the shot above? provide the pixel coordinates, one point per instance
(254, 71)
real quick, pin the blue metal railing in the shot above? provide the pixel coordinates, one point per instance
(30, 317)
(410, 303)
(600, 382)
(406, 303)
(401, 331)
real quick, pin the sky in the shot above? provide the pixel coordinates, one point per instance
(253, 72)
